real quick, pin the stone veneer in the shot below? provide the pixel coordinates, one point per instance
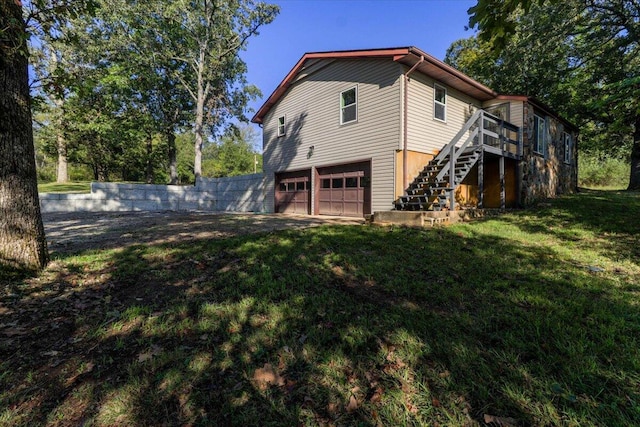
(547, 176)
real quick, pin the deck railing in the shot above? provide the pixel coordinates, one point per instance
(494, 134)
(501, 135)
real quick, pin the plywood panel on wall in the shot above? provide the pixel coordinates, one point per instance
(416, 162)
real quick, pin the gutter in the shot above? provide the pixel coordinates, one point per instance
(405, 136)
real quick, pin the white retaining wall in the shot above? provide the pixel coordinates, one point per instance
(233, 194)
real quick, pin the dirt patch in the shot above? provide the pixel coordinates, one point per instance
(77, 232)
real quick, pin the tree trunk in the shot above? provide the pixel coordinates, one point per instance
(62, 173)
(149, 172)
(199, 131)
(22, 239)
(634, 178)
(201, 97)
(173, 157)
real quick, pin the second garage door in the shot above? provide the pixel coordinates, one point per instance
(345, 190)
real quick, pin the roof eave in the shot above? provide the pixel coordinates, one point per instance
(350, 54)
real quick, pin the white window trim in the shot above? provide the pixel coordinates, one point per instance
(435, 102)
(537, 132)
(342, 107)
(284, 126)
(568, 147)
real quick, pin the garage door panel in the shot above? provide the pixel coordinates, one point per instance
(344, 190)
(292, 193)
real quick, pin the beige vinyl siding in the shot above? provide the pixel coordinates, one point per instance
(312, 108)
(517, 113)
(516, 110)
(424, 132)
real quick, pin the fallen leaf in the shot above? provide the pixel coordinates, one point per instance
(353, 404)
(332, 408)
(500, 421)
(377, 396)
(267, 376)
(143, 357)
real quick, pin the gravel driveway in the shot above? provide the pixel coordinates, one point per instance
(75, 232)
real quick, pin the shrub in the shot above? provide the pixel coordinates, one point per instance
(602, 171)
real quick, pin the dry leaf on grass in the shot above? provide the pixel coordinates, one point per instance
(149, 354)
(500, 421)
(353, 404)
(267, 376)
(376, 397)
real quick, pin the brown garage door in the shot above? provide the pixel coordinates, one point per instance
(344, 190)
(292, 192)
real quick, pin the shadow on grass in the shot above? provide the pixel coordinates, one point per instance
(333, 325)
(611, 215)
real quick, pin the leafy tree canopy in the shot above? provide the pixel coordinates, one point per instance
(580, 56)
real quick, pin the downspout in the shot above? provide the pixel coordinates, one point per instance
(405, 136)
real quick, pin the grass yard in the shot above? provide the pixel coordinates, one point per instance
(66, 187)
(527, 319)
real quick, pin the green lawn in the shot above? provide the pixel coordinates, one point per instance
(532, 318)
(67, 187)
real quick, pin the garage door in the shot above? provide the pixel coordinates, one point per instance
(292, 192)
(344, 190)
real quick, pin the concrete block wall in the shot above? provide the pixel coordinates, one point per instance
(233, 194)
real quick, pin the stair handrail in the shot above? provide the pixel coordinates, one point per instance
(447, 148)
(443, 171)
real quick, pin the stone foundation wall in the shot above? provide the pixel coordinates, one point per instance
(234, 194)
(548, 175)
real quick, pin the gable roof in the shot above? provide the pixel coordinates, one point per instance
(408, 56)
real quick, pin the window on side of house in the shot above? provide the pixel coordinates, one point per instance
(567, 147)
(439, 103)
(349, 106)
(539, 135)
(281, 126)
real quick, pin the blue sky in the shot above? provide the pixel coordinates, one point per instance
(322, 25)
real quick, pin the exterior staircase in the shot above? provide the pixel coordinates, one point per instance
(431, 189)
(434, 188)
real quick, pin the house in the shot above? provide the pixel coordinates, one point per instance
(354, 132)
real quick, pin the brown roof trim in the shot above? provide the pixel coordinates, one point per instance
(286, 82)
(450, 70)
(540, 106)
(404, 55)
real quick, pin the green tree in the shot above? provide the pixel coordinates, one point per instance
(206, 36)
(22, 239)
(588, 63)
(123, 35)
(235, 154)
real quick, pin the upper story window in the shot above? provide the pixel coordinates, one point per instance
(281, 126)
(567, 147)
(539, 135)
(349, 106)
(439, 103)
